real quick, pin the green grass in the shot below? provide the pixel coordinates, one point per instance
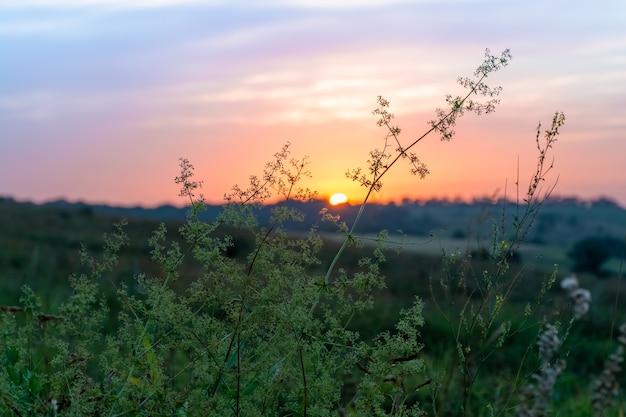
(43, 251)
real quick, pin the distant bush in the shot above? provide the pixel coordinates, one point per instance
(589, 254)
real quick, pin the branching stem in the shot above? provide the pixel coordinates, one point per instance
(376, 180)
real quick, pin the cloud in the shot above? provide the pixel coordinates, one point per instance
(111, 4)
(319, 89)
(34, 25)
(50, 105)
(30, 106)
(144, 4)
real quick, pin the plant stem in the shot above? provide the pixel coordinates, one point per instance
(376, 180)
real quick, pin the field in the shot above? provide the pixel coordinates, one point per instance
(41, 249)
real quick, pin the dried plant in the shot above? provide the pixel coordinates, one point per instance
(605, 388)
(536, 397)
(581, 297)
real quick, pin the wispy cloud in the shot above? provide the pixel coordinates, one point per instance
(112, 4)
(181, 68)
(143, 4)
(336, 90)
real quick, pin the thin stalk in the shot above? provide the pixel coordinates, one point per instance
(238, 374)
(305, 399)
(456, 108)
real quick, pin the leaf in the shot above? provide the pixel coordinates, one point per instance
(14, 375)
(34, 383)
(13, 355)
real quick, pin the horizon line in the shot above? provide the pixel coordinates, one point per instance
(587, 202)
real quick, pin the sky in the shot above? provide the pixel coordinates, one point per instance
(100, 98)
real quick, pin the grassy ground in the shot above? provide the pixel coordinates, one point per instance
(41, 249)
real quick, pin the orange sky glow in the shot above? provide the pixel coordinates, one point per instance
(98, 100)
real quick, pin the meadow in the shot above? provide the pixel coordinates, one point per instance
(42, 247)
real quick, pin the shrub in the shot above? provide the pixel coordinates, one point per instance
(589, 254)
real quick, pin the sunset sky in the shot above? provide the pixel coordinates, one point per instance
(99, 98)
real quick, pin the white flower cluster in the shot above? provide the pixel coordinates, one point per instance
(548, 344)
(580, 296)
(536, 396)
(605, 387)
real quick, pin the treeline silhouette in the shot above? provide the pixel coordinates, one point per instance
(560, 220)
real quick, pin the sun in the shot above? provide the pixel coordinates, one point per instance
(338, 198)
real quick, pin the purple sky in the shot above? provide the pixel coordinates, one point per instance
(99, 99)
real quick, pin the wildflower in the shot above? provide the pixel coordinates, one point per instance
(536, 396)
(605, 387)
(548, 344)
(570, 283)
(580, 296)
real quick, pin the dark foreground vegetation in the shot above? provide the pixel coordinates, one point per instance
(42, 249)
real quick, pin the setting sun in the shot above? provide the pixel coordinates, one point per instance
(338, 198)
